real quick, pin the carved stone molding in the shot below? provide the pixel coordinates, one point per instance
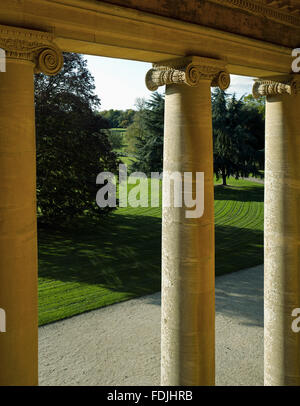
(284, 11)
(35, 46)
(276, 86)
(190, 71)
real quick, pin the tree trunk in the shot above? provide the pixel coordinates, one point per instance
(224, 178)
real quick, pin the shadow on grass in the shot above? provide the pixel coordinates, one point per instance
(237, 248)
(123, 254)
(242, 193)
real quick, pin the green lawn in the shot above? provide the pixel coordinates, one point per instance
(90, 265)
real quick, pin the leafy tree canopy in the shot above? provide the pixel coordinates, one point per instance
(258, 104)
(137, 129)
(150, 134)
(238, 133)
(119, 118)
(255, 122)
(235, 140)
(72, 147)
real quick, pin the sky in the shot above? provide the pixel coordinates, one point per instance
(120, 82)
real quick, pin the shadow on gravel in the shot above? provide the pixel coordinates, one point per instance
(240, 295)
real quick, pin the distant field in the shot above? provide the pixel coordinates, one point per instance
(90, 265)
(126, 158)
(118, 130)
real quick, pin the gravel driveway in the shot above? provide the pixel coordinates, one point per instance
(120, 344)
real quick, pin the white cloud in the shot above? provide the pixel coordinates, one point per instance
(240, 85)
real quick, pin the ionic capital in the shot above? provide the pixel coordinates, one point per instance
(276, 86)
(188, 70)
(35, 46)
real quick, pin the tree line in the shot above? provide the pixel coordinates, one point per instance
(74, 141)
(118, 118)
(238, 135)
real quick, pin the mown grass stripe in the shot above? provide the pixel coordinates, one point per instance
(90, 265)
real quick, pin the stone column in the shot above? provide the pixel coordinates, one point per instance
(25, 51)
(281, 229)
(188, 255)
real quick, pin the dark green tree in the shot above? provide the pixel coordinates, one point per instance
(126, 118)
(112, 116)
(234, 143)
(255, 122)
(116, 138)
(258, 104)
(72, 147)
(149, 144)
(137, 129)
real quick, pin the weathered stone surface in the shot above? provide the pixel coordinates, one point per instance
(25, 51)
(101, 28)
(188, 314)
(273, 21)
(281, 231)
(190, 71)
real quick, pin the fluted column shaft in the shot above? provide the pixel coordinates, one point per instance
(282, 236)
(25, 51)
